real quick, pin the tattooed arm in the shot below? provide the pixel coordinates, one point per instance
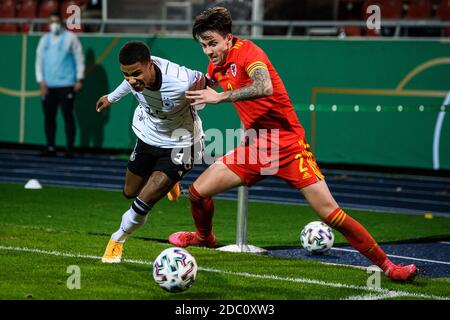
(260, 87)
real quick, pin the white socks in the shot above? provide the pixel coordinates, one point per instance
(131, 220)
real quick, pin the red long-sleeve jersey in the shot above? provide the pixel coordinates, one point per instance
(273, 112)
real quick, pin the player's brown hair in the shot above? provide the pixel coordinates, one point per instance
(213, 19)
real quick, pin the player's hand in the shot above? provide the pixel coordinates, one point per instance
(102, 103)
(205, 96)
(78, 86)
(43, 88)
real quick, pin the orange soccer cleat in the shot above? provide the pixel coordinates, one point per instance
(175, 193)
(185, 239)
(113, 252)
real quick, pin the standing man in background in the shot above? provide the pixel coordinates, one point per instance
(59, 72)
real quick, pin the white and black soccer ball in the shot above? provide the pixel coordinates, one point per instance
(175, 269)
(317, 237)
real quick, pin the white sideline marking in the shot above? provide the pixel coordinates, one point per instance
(384, 292)
(395, 256)
(375, 296)
(444, 242)
(346, 265)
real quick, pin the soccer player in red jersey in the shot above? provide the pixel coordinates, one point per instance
(277, 145)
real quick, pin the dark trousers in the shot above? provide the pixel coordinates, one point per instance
(65, 97)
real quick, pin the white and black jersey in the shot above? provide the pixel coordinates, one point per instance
(164, 117)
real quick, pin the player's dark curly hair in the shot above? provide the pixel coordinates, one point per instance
(213, 19)
(134, 51)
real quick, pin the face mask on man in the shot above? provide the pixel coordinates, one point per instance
(55, 28)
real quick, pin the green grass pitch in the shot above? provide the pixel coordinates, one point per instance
(44, 232)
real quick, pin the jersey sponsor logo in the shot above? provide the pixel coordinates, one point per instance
(133, 156)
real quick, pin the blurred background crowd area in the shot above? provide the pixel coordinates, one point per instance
(341, 18)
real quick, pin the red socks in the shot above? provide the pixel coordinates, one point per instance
(358, 237)
(202, 211)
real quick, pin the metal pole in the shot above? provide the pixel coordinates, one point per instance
(257, 16)
(242, 214)
(23, 78)
(242, 211)
(104, 10)
(335, 10)
(241, 219)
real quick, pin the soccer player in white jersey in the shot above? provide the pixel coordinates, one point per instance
(168, 129)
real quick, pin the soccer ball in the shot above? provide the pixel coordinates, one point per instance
(317, 237)
(175, 269)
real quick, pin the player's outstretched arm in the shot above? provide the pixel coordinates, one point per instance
(107, 100)
(260, 87)
(204, 96)
(211, 82)
(102, 103)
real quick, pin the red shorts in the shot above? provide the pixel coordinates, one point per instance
(295, 164)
